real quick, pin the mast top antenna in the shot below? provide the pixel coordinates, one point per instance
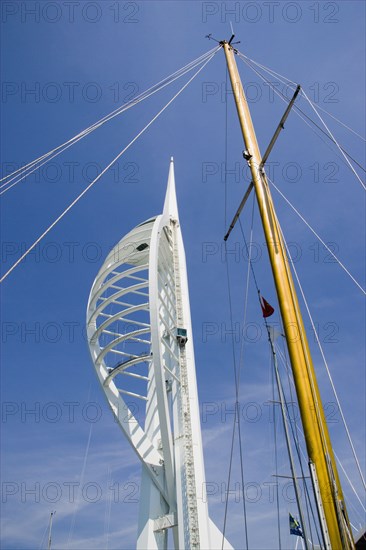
(222, 42)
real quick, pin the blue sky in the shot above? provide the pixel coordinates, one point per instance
(82, 60)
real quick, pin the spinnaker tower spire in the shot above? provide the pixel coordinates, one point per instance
(141, 342)
(170, 203)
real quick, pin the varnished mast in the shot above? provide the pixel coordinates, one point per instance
(336, 528)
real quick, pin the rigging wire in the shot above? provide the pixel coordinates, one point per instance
(249, 255)
(108, 508)
(333, 387)
(350, 483)
(354, 454)
(102, 172)
(276, 453)
(342, 123)
(236, 372)
(295, 436)
(236, 420)
(317, 236)
(326, 366)
(268, 70)
(81, 483)
(122, 108)
(308, 503)
(325, 442)
(285, 417)
(43, 538)
(361, 183)
(298, 111)
(34, 165)
(291, 83)
(284, 362)
(314, 331)
(334, 140)
(272, 348)
(328, 136)
(291, 383)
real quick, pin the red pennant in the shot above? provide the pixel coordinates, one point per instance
(267, 309)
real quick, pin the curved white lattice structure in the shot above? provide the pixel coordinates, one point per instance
(140, 338)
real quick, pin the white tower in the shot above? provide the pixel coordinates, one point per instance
(140, 338)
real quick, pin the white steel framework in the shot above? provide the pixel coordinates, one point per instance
(140, 338)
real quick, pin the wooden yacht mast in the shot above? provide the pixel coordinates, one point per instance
(333, 515)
